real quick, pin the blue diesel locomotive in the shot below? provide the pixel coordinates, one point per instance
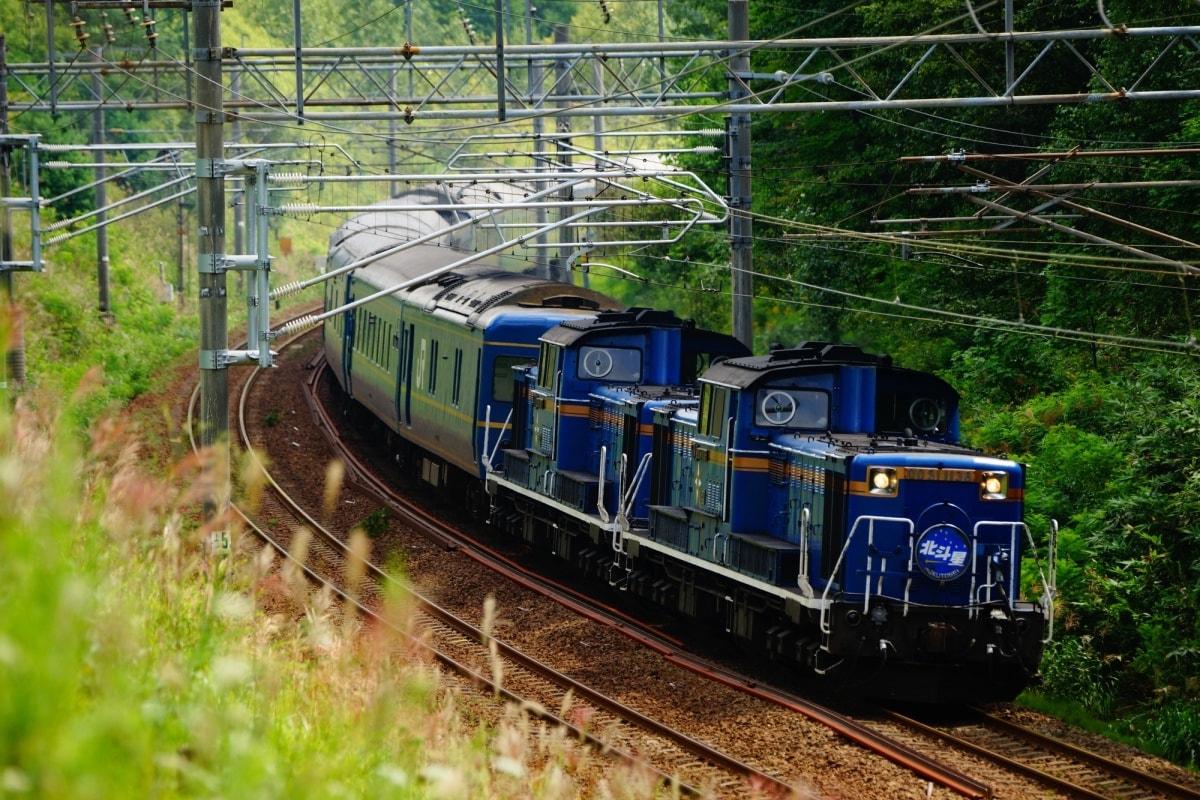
(813, 502)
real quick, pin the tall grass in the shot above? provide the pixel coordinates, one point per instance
(132, 664)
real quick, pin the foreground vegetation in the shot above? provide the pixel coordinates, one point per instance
(132, 664)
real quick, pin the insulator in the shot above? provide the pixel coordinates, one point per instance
(57, 224)
(604, 13)
(287, 290)
(109, 36)
(130, 17)
(298, 208)
(80, 35)
(286, 177)
(298, 325)
(151, 34)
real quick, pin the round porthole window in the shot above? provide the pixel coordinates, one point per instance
(597, 363)
(778, 408)
(925, 414)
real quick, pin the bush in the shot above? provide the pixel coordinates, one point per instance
(1073, 670)
(1173, 731)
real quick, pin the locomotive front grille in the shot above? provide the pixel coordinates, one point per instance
(578, 490)
(516, 466)
(669, 528)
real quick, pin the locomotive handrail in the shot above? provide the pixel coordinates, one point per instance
(600, 509)
(802, 581)
(1051, 585)
(719, 554)
(638, 478)
(490, 458)
(842, 556)
(1010, 594)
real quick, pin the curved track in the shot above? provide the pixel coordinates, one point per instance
(327, 559)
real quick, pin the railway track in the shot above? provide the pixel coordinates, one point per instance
(709, 768)
(327, 557)
(1064, 767)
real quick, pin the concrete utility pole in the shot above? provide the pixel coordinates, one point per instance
(737, 148)
(562, 85)
(210, 213)
(6, 281)
(12, 366)
(102, 258)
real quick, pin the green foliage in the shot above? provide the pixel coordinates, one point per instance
(1173, 731)
(375, 524)
(1073, 670)
(1114, 459)
(115, 682)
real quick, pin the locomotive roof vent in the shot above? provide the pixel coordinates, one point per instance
(831, 353)
(632, 316)
(564, 301)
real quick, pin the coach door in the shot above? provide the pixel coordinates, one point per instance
(348, 319)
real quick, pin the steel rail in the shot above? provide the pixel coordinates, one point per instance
(1056, 782)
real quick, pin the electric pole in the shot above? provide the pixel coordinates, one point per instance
(737, 149)
(210, 213)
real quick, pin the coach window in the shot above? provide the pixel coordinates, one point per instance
(456, 389)
(433, 365)
(503, 379)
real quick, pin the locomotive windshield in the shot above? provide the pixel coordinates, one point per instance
(792, 408)
(617, 364)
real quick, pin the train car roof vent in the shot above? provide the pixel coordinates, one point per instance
(449, 280)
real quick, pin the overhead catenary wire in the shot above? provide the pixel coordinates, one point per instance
(711, 109)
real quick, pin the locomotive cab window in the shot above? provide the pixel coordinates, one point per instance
(548, 365)
(616, 364)
(805, 409)
(714, 400)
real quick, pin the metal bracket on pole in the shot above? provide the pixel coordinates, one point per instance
(258, 289)
(220, 359)
(213, 263)
(28, 144)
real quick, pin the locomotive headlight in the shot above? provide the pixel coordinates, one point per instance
(883, 481)
(994, 486)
